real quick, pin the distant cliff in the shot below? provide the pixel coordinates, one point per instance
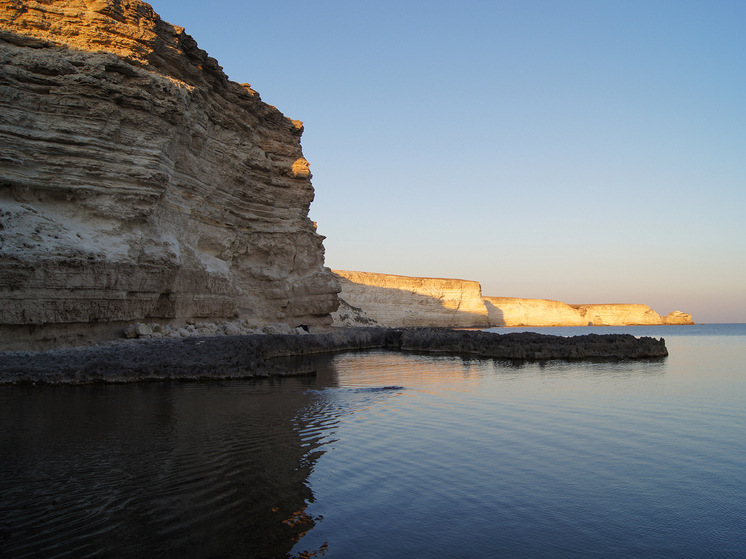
(511, 311)
(628, 314)
(369, 299)
(408, 301)
(137, 181)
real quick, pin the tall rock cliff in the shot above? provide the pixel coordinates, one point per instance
(409, 301)
(137, 181)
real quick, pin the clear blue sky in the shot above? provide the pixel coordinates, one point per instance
(583, 151)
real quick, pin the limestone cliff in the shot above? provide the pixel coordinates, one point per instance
(618, 314)
(408, 301)
(369, 298)
(137, 181)
(512, 311)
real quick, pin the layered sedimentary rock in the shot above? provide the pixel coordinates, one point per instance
(392, 300)
(138, 182)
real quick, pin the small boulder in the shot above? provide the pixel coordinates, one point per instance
(142, 330)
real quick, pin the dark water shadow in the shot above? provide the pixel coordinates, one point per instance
(215, 469)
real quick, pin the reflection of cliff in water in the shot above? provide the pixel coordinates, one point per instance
(177, 469)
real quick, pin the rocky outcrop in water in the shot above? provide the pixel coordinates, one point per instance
(138, 182)
(409, 301)
(224, 357)
(678, 317)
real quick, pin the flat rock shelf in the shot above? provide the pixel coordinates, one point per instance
(251, 356)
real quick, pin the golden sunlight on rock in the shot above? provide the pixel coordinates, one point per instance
(369, 299)
(301, 168)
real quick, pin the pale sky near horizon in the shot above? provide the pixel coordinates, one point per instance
(582, 151)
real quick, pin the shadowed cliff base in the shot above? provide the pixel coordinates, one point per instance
(403, 301)
(250, 357)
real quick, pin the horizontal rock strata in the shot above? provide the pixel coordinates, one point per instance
(223, 357)
(138, 182)
(392, 300)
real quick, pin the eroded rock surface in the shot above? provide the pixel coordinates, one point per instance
(619, 314)
(138, 182)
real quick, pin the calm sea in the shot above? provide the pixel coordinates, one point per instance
(388, 454)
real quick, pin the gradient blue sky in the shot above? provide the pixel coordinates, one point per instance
(583, 151)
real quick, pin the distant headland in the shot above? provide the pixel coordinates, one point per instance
(391, 300)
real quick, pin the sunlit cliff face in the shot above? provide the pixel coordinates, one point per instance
(301, 168)
(390, 300)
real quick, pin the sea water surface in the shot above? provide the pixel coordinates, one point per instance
(388, 454)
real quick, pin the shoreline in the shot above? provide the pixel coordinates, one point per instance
(250, 356)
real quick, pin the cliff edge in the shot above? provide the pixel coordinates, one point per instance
(138, 182)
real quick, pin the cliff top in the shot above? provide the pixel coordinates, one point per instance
(131, 30)
(350, 273)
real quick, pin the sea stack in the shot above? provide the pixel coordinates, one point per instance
(138, 182)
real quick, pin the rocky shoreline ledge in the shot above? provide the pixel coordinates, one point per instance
(250, 356)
